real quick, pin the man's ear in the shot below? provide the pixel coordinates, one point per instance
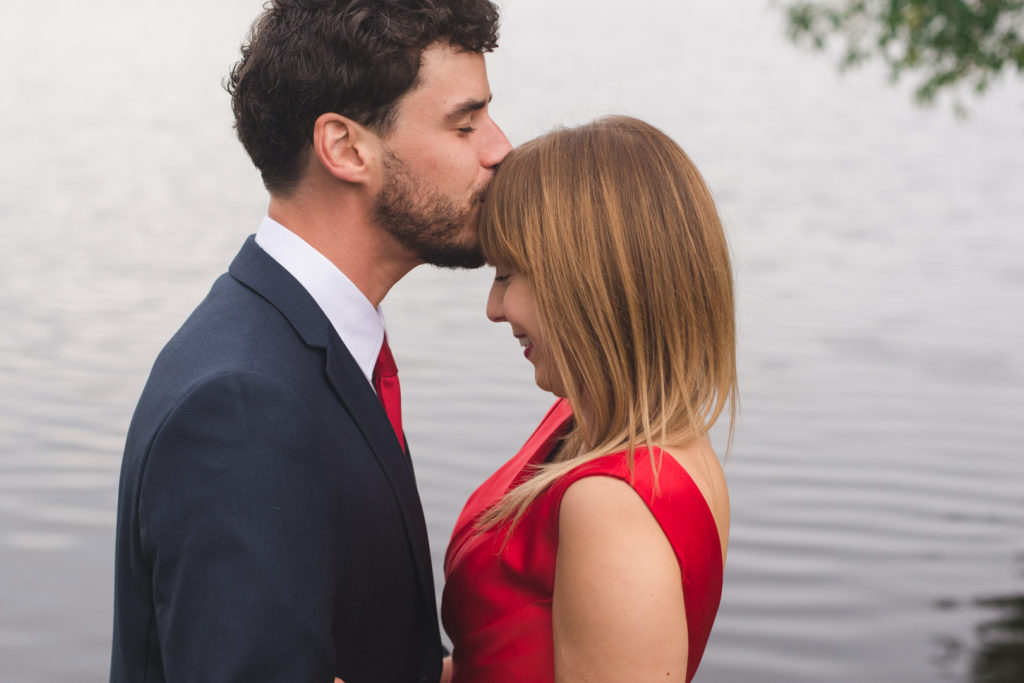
(346, 150)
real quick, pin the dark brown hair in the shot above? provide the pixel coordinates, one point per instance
(304, 58)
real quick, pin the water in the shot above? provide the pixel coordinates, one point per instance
(876, 474)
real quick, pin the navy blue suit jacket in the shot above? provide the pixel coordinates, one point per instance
(268, 527)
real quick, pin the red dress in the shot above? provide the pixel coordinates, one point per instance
(496, 605)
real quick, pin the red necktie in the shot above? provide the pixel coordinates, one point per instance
(385, 381)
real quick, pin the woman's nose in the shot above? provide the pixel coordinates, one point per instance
(495, 309)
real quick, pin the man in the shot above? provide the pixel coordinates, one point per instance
(269, 527)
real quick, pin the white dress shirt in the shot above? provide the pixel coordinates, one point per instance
(359, 324)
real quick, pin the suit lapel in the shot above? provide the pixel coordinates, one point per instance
(372, 420)
(254, 268)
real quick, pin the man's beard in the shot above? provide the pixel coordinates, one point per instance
(423, 220)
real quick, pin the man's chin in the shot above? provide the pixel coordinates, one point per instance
(468, 258)
(466, 254)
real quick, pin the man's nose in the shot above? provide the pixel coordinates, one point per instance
(496, 148)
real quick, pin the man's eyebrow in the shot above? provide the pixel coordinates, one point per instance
(467, 107)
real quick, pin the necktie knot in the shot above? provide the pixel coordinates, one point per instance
(385, 366)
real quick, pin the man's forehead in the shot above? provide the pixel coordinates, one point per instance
(443, 68)
(450, 84)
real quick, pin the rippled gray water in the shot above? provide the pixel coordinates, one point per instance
(877, 472)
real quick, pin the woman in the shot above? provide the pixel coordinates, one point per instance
(596, 553)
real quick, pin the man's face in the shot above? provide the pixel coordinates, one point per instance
(439, 159)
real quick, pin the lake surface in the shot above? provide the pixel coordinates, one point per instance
(877, 475)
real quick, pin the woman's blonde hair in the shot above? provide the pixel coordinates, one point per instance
(614, 229)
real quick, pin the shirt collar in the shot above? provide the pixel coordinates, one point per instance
(359, 324)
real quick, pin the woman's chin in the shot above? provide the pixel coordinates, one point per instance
(550, 387)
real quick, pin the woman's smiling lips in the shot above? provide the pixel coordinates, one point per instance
(525, 342)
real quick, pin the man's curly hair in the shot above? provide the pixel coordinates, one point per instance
(304, 58)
